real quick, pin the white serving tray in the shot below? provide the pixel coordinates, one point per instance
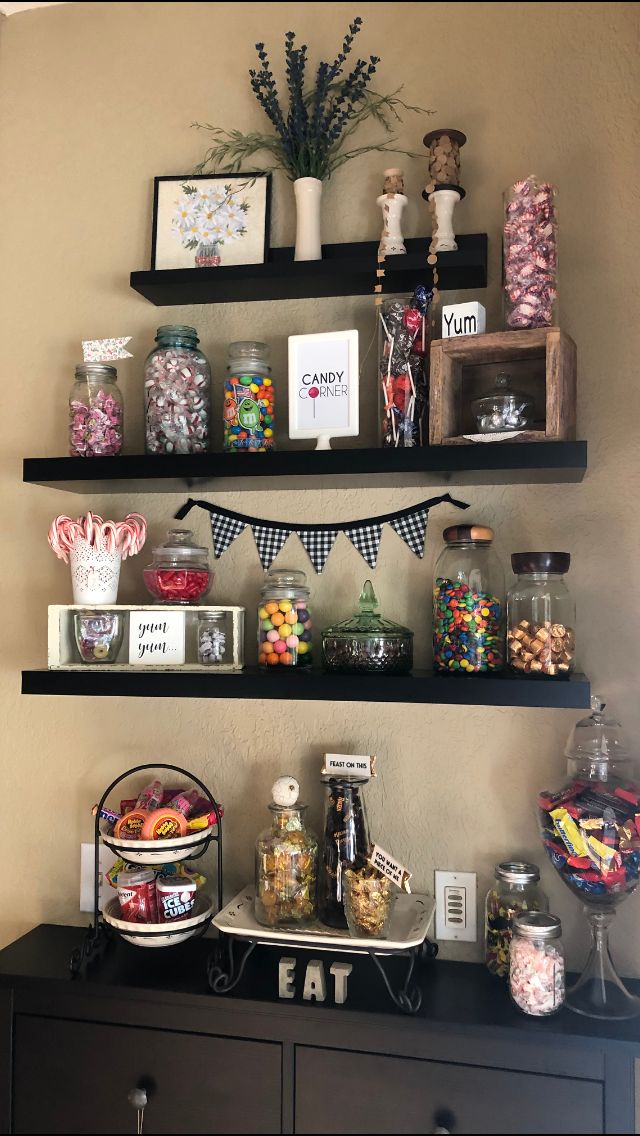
(410, 920)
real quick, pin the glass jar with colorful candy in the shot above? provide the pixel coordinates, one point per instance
(517, 889)
(179, 571)
(530, 256)
(468, 603)
(96, 412)
(541, 615)
(346, 844)
(590, 828)
(403, 369)
(284, 620)
(177, 387)
(249, 419)
(286, 862)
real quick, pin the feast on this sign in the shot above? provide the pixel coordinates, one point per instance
(315, 983)
(352, 764)
(156, 637)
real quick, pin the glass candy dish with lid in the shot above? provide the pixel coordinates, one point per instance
(502, 409)
(588, 828)
(179, 572)
(367, 643)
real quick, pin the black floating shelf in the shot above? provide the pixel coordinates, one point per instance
(421, 687)
(345, 270)
(491, 463)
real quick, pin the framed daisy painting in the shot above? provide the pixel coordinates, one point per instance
(207, 221)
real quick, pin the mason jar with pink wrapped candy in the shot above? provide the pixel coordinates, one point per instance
(530, 255)
(95, 549)
(96, 412)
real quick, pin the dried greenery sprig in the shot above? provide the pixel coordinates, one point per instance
(312, 128)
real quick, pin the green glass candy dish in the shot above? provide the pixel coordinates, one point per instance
(366, 643)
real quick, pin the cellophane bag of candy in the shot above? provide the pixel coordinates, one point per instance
(403, 368)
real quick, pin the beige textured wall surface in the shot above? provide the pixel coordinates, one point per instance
(96, 100)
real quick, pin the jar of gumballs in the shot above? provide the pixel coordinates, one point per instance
(96, 412)
(249, 420)
(468, 603)
(284, 620)
(177, 385)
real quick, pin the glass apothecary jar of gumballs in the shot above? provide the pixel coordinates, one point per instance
(286, 862)
(284, 620)
(517, 889)
(249, 417)
(96, 412)
(179, 571)
(177, 387)
(541, 615)
(468, 603)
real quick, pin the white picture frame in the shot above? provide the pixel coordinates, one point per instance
(326, 362)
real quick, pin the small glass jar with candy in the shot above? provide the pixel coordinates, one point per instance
(284, 620)
(530, 256)
(468, 603)
(541, 616)
(536, 964)
(249, 417)
(212, 638)
(286, 862)
(403, 369)
(177, 384)
(96, 412)
(179, 571)
(517, 889)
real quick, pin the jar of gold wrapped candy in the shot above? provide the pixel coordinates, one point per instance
(286, 862)
(541, 615)
(367, 901)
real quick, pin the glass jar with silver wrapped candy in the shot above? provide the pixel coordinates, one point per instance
(501, 409)
(541, 615)
(177, 383)
(367, 643)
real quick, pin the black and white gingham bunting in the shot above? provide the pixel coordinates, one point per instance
(317, 544)
(412, 530)
(268, 542)
(318, 540)
(224, 531)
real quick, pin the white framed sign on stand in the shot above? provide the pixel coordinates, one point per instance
(323, 386)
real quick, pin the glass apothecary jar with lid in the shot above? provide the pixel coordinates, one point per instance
(177, 385)
(284, 620)
(517, 889)
(286, 862)
(179, 571)
(536, 964)
(249, 411)
(366, 643)
(502, 409)
(96, 412)
(541, 615)
(468, 603)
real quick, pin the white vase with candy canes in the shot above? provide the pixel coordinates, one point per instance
(95, 549)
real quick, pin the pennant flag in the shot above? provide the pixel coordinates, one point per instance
(317, 545)
(224, 531)
(268, 542)
(366, 538)
(412, 529)
(104, 350)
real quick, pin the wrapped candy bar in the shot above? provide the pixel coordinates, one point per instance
(530, 254)
(403, 368)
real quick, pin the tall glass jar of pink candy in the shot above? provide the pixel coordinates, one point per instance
(177, 386)
(96, 412)
(530, 255)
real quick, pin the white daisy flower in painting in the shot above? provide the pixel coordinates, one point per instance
(185, 210)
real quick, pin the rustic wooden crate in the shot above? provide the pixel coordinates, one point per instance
(541, 362)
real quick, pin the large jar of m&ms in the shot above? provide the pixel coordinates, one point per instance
(284, 620)
(468, 603)
(96, 412)
(177, 388)
(249, 420)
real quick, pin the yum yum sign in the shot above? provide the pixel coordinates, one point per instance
(463, 319)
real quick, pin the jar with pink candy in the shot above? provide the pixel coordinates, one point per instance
(177, 382)
(530, 255)
(96, 412)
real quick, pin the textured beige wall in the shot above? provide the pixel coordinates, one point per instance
(96, 99)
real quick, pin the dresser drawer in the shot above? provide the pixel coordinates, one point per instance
(337, 1091)
(73, 1077)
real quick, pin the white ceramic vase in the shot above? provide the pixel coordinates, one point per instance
(391, 241)
(308, 193)
(445, 200)
(95, 573)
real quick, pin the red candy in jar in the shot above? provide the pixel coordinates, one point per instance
(179, 572)
(137, 896)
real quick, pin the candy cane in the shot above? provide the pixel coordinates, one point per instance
(126, 537)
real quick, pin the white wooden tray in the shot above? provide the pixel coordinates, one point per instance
(410, 920)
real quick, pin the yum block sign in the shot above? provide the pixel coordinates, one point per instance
(156, 638)
(463, 319)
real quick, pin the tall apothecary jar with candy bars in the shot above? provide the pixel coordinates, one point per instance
(530, 255)
(177, 386)
(468, 603)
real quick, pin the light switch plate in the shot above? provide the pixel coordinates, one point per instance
(106, 859)
(456, 906)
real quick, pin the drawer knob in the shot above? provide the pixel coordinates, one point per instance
(439, 1131)
(137, 1098)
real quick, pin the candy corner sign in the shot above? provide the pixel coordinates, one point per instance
(323, 385)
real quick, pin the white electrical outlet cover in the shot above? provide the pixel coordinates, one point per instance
(106, 859)
(448, 910)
